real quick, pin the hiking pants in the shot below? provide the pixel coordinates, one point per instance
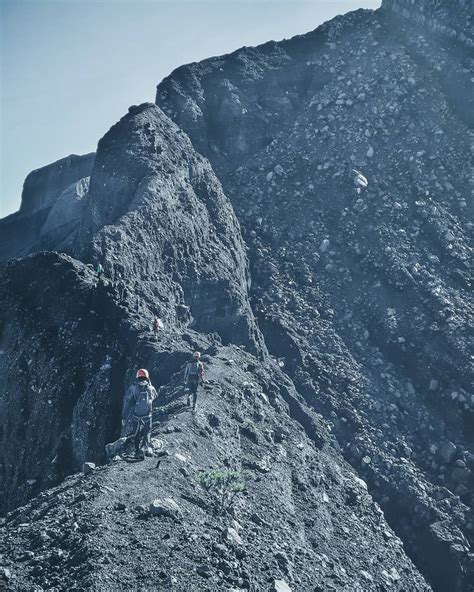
(141, 431)
(192, 385)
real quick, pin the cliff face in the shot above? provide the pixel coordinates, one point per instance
(61, 368)
(51, 207)
(365, 297)
(43, 186)
(157, 216)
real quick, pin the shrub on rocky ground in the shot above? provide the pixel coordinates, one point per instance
(223, 488)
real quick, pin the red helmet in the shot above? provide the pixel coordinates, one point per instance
(197, 355)
(142, 373)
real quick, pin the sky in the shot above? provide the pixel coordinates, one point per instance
(69, 69)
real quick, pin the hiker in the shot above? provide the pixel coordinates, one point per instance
(100, 272)
(139, 403)
(157, 325)
(193, 376)
(121, 289)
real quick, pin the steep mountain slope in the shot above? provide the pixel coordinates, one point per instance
(156, 217)
(365, 297)
(65, 339)
(335, 325)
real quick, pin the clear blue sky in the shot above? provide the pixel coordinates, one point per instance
(71, 68)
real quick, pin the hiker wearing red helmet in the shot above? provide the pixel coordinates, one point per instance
(139, 403)
(193, 377)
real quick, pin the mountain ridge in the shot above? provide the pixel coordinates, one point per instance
(230, 212)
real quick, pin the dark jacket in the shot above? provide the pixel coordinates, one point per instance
(139, 399)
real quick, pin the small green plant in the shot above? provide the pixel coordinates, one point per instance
(222, 486)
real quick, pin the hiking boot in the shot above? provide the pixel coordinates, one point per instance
(139, 454)
(148, 451)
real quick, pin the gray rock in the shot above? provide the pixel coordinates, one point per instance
(20, 233)
(43, 186)
(281, 586)
(233, 536)
(165, 507)
(204, 570)
(323, 247)
(88, 468)
(65, 214)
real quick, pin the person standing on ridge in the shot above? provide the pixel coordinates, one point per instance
(157, 325)
(121, 287)
(193, 377)
(100, 272)
(138, 402)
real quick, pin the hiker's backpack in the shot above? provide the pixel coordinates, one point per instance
(143, 400)
(193, 370)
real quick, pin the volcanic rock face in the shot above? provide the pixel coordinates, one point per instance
(60, 385)
(157, 219)
(361, 415)
(50, 208)
(364, 296)
(43, 186)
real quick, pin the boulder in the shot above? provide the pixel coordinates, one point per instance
(281, 586)
(323, 247)
(233, 536)
(88, 467)
(166, 507)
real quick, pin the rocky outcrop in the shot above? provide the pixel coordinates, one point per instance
(363, 297)
(43, 186)
(64, 217)
(18, 234)
(50, 208)
(156, 217)
(62, 369)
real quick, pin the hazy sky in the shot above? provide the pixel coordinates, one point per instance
(71, 68)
